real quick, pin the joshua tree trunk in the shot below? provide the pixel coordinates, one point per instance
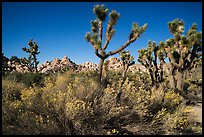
(172, 77)
(161, 72)
(180, 81)
(125, 68)
(100, 70)
(124, 73)
(35, 61)
(181, 76)
(151, 75)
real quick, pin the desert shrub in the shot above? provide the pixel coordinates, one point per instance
(172, 100)
(193, 90)
(76, 103)
(14, 58)
(27, 78)
(11, 90)
(76, 96)
(177, 122)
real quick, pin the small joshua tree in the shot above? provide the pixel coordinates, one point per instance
(33, 51)
(148, 58)
(127, 61)
(97, 29)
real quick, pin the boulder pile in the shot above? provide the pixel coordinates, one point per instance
(65, 64)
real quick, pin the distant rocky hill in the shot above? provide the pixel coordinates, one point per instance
(56, 65)
(65, 63)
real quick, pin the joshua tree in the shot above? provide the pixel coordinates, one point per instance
(33, 51)
(148, 58)
(97, 29)
(182, 51)
(127, 60)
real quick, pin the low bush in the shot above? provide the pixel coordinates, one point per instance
(72, 103)
(29, 79)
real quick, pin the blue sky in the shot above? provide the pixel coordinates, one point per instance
(59, 28)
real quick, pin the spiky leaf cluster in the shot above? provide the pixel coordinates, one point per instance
(126, 57)
(33, 48)
(137, 31)
(161, 54)
(176, 27)
(146, 56)
(100, 12)
(114, 16)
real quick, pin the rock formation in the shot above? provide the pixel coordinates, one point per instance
(65, 63)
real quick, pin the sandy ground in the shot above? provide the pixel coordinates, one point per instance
(197, 110)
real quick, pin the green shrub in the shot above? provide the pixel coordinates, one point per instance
(29, 79)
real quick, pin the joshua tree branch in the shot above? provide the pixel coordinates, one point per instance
(122, 47)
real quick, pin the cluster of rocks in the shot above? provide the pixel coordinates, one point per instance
(116, 64)
(87, 66)
(17, 66)
(65, 63)
(56, 65)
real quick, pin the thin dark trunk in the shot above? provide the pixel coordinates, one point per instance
(151, 75)
(172, 78)
(100, 70)
(156, 71)
(161, 67)
(118, 97)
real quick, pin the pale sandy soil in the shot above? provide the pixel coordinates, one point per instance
(197, 111)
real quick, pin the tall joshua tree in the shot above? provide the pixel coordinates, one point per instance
(33, 52)
(183, 51)
(95, 38)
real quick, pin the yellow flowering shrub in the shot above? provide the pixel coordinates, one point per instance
(78, 108)
(113, 132)
(178, 121)
(172, 99)
(76, 103)
(11, 90)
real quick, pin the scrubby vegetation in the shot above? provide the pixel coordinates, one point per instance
(113, 102)
(68, 103)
